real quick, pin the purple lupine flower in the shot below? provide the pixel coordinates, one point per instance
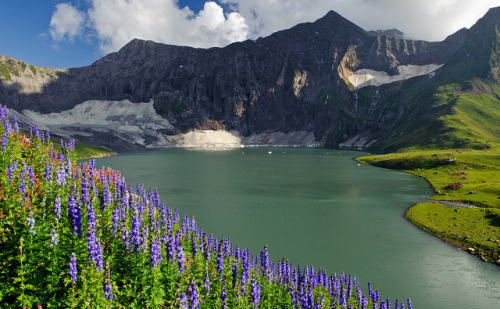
(4, 141)
(9, 173)
(310, 297)
(235, 274)
(115, 214)
(135, 239)
(388, 303)
(35, 129)
(155, 251)
(364, 302)
(245, 273)
(206, 250)
(343, 299)
(176, 217)
(47, 171)
(53, 238)
(264, 260)
(91, 218)
(106, 195)
(22, 184)
(183, 301)
(220, 264)
(193, 296)
(194, 248)
(85, 189)
(60, 175)
(409, 303)
(206, 283)
(75, 216)
(57, 207)
(107, 291)
(31, 224)
(31, 175)
(180, 259)
(73, 271)
(223, 295)
(170, 248)
(95, 251)
(402, 305)
(255, 293)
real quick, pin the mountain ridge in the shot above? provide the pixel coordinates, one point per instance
(292, 80)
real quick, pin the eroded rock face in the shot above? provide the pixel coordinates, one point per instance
(298, 80)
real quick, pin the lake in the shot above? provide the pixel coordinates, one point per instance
(318, 207)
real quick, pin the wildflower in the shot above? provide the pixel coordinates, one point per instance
(47, 171)
(170, 248)
(72, 267)
(31, 224)
(409, 303)
(95, 250)
(4, 141)
(264, 261)
(206, 283)
(235, 274)
(31, 176)
(255, 292)
(183, 301)
(220, 265)
(180, 259)
(53, 238)
(10, 176)
(75, 216)
(193, 296)
(155, 252)
(194, 247)
(223, 295)
(107, 291)
(57, 207)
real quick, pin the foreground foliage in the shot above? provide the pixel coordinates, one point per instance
(80, 237)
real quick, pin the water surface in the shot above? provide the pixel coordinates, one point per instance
(318, 207)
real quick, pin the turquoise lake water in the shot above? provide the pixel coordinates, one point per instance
(318, 207)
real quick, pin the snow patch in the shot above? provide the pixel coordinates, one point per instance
(122, 122)
(133, 123)
(367, 77)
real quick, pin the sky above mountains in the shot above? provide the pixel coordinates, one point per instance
(60, 34)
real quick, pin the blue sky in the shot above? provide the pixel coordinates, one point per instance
(73, 33)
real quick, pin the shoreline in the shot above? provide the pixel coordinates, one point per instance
(483, 255)
(453, 225)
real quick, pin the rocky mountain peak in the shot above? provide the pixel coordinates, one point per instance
(295, 80)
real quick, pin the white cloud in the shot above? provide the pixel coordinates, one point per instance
(424, 19)
(116, 22)
(66, 22)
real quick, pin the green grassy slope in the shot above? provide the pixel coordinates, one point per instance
(462, 163)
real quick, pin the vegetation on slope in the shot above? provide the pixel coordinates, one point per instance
(73, 236)
(468, 171)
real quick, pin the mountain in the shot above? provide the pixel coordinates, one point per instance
(327, 83)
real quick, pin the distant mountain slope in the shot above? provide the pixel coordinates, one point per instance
(296, 80)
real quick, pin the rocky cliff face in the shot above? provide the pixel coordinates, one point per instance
(296, 80)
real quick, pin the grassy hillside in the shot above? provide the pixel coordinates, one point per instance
(462, 162)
